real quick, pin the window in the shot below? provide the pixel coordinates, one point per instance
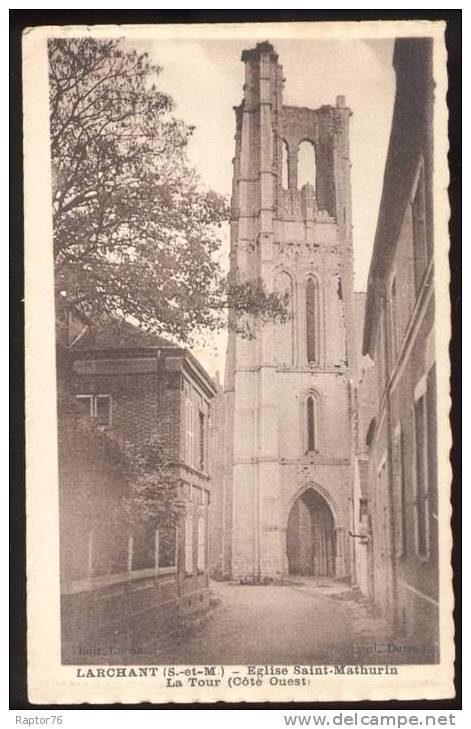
(382, 501)
(84, 406)
(119, 553)
(103, 410)
(96, 407)
(311, 424)
(189, 435)
(189, 543)
(419, 230)
(421, 477)
(143, 548)
(284, 165)
(201, 555)
(393, 318)
(383, 369)
(382, 472)
(431, 405)
(398, 472)
(166, 547)
(202, 441)
(284, 339)
(312, 328)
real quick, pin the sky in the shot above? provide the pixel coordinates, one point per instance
(205, 79)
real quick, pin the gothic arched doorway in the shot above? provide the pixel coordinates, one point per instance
(310, 536)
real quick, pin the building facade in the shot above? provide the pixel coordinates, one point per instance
(365, 407)
(114, 574)
(285, 449)
(399, 444)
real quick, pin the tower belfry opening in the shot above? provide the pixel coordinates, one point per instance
(291, 225)
(284, 165)
(306, 164)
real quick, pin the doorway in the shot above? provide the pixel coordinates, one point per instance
(310, 536)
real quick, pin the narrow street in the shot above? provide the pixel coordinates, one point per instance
(304, 621)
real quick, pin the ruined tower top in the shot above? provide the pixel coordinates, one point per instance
(278, 133)
(260, 48)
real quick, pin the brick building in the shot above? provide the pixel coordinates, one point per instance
(113, 577)
(397, 431)
(284, 451)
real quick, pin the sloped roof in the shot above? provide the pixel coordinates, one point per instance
(117, 334)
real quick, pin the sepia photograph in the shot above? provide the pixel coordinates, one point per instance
(239, 242)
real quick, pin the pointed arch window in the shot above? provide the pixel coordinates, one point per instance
(311, 423)
(284, 165)
(310, 411)
(306, 164)
(312, 321)
(284, 331)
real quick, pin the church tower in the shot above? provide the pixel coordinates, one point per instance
(288, 393)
